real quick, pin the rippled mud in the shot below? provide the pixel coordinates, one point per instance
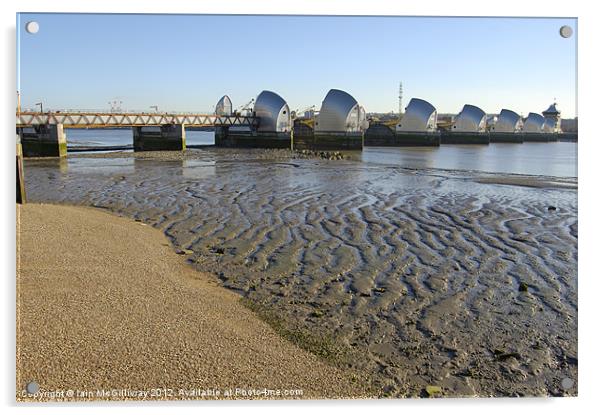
(459, 280)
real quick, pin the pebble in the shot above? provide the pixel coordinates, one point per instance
(433, 390)
(327, 155)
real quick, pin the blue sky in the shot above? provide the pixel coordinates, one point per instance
(187, 62)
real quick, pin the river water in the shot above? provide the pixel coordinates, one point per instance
(454, 267)
(547, 159)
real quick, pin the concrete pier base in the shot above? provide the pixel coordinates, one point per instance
(570, 137)
(224, 137)
(401, 139)
(505, 137)
(44, 140)
(379, 135)
(221, 136)
(169, 137)
(464, 138)
(329, 141)
(539, 137)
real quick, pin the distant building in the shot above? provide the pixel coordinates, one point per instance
(446, 117)
(419, 116)
(569, 125)
(491, 121)
(309, 114)
(552, 119)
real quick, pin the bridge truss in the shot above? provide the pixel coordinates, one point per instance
(108, 120)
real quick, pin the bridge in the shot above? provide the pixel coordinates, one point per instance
(129, 119)
(42, 134)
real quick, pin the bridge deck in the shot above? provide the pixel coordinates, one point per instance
(107, 120)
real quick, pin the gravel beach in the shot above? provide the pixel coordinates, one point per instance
(105, 305)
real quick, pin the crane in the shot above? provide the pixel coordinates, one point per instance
(246, 107)
(115, 104)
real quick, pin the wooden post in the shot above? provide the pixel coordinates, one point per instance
(20, 179)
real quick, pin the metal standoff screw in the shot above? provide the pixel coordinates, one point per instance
(566, 31)
(32, 27)
(32, 388)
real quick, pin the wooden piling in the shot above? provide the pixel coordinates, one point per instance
(20, 178)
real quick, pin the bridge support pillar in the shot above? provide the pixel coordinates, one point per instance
(329, 141)
(44, 140)
(221, 136)
(170, 137)
(226, 137)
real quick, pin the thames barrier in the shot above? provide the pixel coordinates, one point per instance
(340, 124)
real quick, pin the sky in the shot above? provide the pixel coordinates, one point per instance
(187, 62)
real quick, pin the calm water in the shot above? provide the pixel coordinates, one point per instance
(93, 137)
(557, 159)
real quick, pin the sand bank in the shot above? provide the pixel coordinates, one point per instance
(104, 303)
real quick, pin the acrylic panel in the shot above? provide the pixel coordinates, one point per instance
(295, 207)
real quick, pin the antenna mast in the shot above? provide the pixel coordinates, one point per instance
(400, 97)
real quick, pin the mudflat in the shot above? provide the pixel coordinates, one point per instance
(424, 279)
(107, 310)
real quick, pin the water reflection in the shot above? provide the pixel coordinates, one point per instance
(545, 159)
(167, 168)
(198, 169)
(47, 165)
(101, 166)
(98, 137)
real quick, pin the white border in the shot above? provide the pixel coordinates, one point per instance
(589, 188)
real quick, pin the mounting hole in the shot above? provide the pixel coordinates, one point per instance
(32, 27)
(566, 31)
